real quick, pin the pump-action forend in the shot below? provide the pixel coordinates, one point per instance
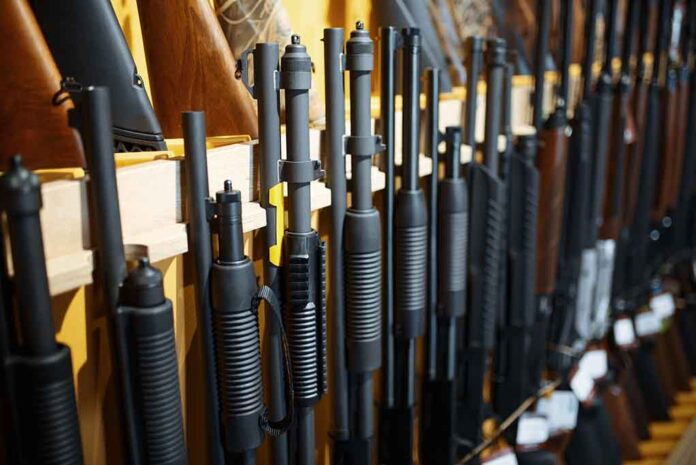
(141, 317)
(103, 60)
(35, 369)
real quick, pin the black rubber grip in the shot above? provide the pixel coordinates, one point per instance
(363, 274)
(46, 409)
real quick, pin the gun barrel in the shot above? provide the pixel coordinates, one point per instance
(542, 50)
(473, 70)
(496, 64)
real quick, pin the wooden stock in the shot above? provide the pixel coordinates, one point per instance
(663, 362)
(668, 149)
(636, 400)
(619, 410)
(680, 365)
(551, 162)
(634, 155)
(191, 67)
(680, 134)
(29, 122)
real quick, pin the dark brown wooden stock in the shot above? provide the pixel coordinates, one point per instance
(680, 135)
(29, 122)
(191, 67)
(640, 103)
(551, 163)
(680, 365)
(668, 149)
(622, 423)
(663, 362)
(635, 399)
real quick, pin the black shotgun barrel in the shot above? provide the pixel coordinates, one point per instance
(141, 317)
(266, 91)
(38, 373)
(104, 60)
(473, 70)
(305, 302)
(542, 49)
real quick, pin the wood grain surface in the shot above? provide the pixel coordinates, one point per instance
(29, 122)
(191, 67)
(634, 156)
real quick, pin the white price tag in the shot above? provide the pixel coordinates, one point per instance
(624, 334)
(561, 410)
(647, 324)
(504, 457)
(663, 305)
(582, 385)
(532, 429)
(594, 363)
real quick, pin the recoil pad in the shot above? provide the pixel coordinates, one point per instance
(485, 237)
(363, 290)
(453, 241)
(45, 408)
(396, 436)
(155, 381)
(305, 314)
(411, 262)
(238, 354)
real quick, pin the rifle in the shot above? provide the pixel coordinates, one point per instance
(485, 236)
(141, 317)
(226, 286)
(32, 124)
(304, 309)
(198, 69)
(266, 91)
(37, 370)
(103, 60)
(361, 237)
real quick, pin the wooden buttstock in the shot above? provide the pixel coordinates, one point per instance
(30, 124)
(622, 423)
(668, 148)
(681, 125)
(191, 67)
(551, 162)
(635, 154)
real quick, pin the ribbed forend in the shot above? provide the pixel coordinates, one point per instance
(158, 385)
(454, 248)
(238, 361)
(57, 435)
(363, 295)
(491, 270)
(324, 358)
(411, 262)
(301, 327)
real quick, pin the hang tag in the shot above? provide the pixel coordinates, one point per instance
(663, 305)
(624, 333)
(594, 363)
(503, 457)
(560, 409)
(582, 385)
(647, 324)
(532, 429)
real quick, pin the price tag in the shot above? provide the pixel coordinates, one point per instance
(532, 429)
(594, 363)
(582, 385)
(624, 334)
(504, 457)
(647, 324)
(663, 305)
(561, 410)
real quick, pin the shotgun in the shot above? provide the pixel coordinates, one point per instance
(304, 308)
(485, 237)
(227, 293)
(191, 66)
(390, 412)
(266, 91)
(103, 60)
(33, 124)
(141, 317)
(38, 372)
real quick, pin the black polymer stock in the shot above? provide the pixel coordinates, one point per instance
(266, 91)
(230, 298)
(304, 306)
(36, 370)
(361, 240)
(485, 237)
(141, 318)
(104, 60)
